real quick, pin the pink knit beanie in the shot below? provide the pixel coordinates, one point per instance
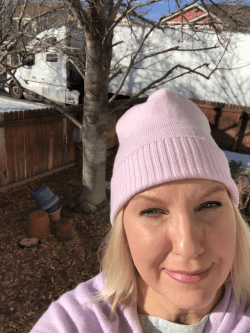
(165, 139)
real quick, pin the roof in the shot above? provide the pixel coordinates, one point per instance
(196, 13)
(32, 9)
(241, 13)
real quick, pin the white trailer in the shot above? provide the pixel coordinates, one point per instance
(48, 73)
(51, 74)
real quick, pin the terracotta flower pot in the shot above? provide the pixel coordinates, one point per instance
(64, 229)
(55, 216)
(39, 225)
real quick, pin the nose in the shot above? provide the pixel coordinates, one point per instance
(186, 235)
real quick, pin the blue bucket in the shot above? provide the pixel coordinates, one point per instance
(54, 208)
(44, 197)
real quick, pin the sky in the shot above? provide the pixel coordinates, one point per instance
(165, 7)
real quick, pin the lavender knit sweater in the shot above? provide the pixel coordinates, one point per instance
(69, 314)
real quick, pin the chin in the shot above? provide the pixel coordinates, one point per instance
(193, 299)
(195, 304)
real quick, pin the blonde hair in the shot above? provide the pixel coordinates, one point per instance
(122, 277)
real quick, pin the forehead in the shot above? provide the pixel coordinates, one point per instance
(199, 187)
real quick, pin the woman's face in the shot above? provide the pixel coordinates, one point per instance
(186, 231)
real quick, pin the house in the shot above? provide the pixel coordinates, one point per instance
(234, 18)
(34, 9)
(239, 13)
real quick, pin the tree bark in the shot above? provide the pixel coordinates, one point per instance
(95, 120)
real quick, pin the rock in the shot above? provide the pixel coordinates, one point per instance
(91, 207)
(69, 202)
(86, 207)
(106, 209)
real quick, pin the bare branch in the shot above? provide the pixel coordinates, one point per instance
(80, 15)
(106, 36)
(133, 59)
(122, 41)
(147, 21)
(115, 75)
(152, 84)
(175, 48)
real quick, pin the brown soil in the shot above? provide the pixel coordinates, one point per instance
(32, 278)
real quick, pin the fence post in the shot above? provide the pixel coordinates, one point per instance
(3, 157)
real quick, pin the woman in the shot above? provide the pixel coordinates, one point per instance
(178, 256)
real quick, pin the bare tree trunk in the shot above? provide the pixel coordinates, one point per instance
(95, 121)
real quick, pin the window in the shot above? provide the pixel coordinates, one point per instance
(13, 59)
(51, 40)
(29, 60)
(51, 57)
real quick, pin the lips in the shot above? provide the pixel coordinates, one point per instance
(190, 273)
(189, 277)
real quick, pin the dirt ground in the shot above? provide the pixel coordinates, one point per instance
(32, 278)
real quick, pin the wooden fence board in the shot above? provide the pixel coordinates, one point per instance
(50, 146)
(20, 148)
(39, 140)
(25, 145)
(64, 140)
(36, 147)
(3, 157)
(58, 143)
(10, 150)
(31, 146)
(71, 146)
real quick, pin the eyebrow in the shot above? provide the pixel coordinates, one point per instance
(213, 190)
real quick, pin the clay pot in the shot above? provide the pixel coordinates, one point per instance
(39, 225)
(55, 216)
(64, 229)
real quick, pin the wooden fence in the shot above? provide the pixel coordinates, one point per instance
(38, 143)
(35, 143)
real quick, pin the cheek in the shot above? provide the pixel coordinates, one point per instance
(223, 239)
(146, 244)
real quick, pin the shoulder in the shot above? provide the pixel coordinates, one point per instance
(228, 316)
(73, 311)
(84, 291)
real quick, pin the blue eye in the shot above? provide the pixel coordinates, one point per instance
(218, 204)
(146, 212)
